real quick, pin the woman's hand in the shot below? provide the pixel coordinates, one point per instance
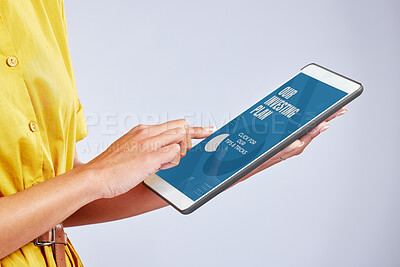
(145, 200)
(142, 151)
(74, 196)
(297, 147)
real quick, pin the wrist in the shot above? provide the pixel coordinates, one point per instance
(89, 178)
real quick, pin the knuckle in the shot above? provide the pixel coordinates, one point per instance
(184, 122)
(146, 146)
(176, 148)
(298, 152)
(180, 131)
(175, 163)
(141, 127)
(143, 131)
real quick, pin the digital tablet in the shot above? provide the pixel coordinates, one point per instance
(253, 137)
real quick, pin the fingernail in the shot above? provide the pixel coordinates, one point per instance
(301, 144)
(210, 129)
(326, 126)
(342, 112)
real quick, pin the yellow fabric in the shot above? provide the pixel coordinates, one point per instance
(39, 88)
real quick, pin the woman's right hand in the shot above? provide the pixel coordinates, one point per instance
(142, 151)
(127, 162)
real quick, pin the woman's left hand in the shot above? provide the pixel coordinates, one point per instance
(297, 147)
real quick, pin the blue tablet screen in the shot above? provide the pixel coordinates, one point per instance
(251, 134)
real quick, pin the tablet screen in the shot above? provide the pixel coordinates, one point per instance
(250, 135)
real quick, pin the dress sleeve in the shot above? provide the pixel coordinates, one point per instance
(81, 127)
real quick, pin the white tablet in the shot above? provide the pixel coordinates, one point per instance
(253, 137)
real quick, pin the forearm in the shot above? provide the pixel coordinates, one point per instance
(138, 200)
(31, 212)
(144, 150)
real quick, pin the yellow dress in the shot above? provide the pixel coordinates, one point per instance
(41, 117)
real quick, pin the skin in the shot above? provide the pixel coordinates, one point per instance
(99, 191)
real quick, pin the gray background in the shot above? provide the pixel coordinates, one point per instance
(335, 205)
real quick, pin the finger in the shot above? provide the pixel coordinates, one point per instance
(160, 128)
(172, 136)
(308, 137)
(185, 142)
(334, 115)
(291, 147)
(201, 132)
(188, 139)
(195, 132)
(306, 140)
(338, 113)
(341, 112)
(172, 163)
(133, 131)
(282, 154)
(166, 157)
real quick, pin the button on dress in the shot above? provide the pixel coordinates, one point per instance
(41, 117)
